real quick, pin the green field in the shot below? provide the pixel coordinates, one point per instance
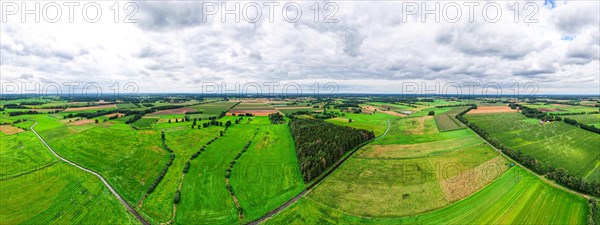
(517, 197)
(557, 144)
(59, 194)
(561, 108)
(184, 142)
(204, 198)
(127, 158)
(376, 122)
(589, 119)
(424, 170)
(37, 188)
(447, 122)
(415, 168)
(267, 175)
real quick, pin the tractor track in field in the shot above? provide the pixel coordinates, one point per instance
(542, 177)
(110, 188)
(310, 187)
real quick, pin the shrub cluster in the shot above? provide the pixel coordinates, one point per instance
(276, 118)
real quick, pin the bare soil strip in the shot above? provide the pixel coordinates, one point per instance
(256, 112)
(470, 181)
(491, 109)
(82, 122)
(174, 111)
(8, 129)
(371, 108)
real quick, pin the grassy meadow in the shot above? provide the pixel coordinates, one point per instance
(516, 197)
(557, 143)
(267, 175)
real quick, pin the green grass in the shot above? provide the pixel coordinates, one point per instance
(589, 119)
(562, 108)
(144, 123)
(414, 160)
(214, 108)
(447, 122)
(60, 194)
(517, 197)
(374, 186)
(557, 143)
(130, 160)
(267, 175)
(204, 198)
(184, 142)
(37, 188)
(376, 122)
(22, 153)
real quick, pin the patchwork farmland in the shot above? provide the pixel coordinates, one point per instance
(321, 161)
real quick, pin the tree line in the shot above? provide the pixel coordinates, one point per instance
(534, 113)
(320, 144)
(165, 168)
(557, 174)
(230, 168)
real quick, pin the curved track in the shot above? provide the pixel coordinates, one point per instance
(112, 190)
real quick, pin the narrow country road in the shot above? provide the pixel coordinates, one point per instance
(112, 190)
(301, 194)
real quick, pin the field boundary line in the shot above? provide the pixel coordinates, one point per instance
(316, 183)
(543, 178)
(110, 188)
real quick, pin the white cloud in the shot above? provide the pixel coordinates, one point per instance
(370, 48)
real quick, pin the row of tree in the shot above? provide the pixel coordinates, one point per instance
(593, 211)
(165, 168)
(230, 168)
(320, 144)
(558, 174)
(17, 113)
(534, 113)
(89, 115)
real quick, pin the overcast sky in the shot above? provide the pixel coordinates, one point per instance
(370, 49)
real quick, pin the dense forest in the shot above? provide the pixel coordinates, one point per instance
(320, 144)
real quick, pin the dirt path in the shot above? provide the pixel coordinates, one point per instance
(110, 188)
(301, 194)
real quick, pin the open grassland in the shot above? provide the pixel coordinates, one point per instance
(204, 197)
(517, 197)
(376, 122)
(267, 175)
(22, 153)
(561, 108)
(130, 160)
(447, 122)
(37, 188)
(59, 194)
(145, 123)
(589, 119)
(184, 142)
(214, 108)
(557, 144)
(413, 169)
